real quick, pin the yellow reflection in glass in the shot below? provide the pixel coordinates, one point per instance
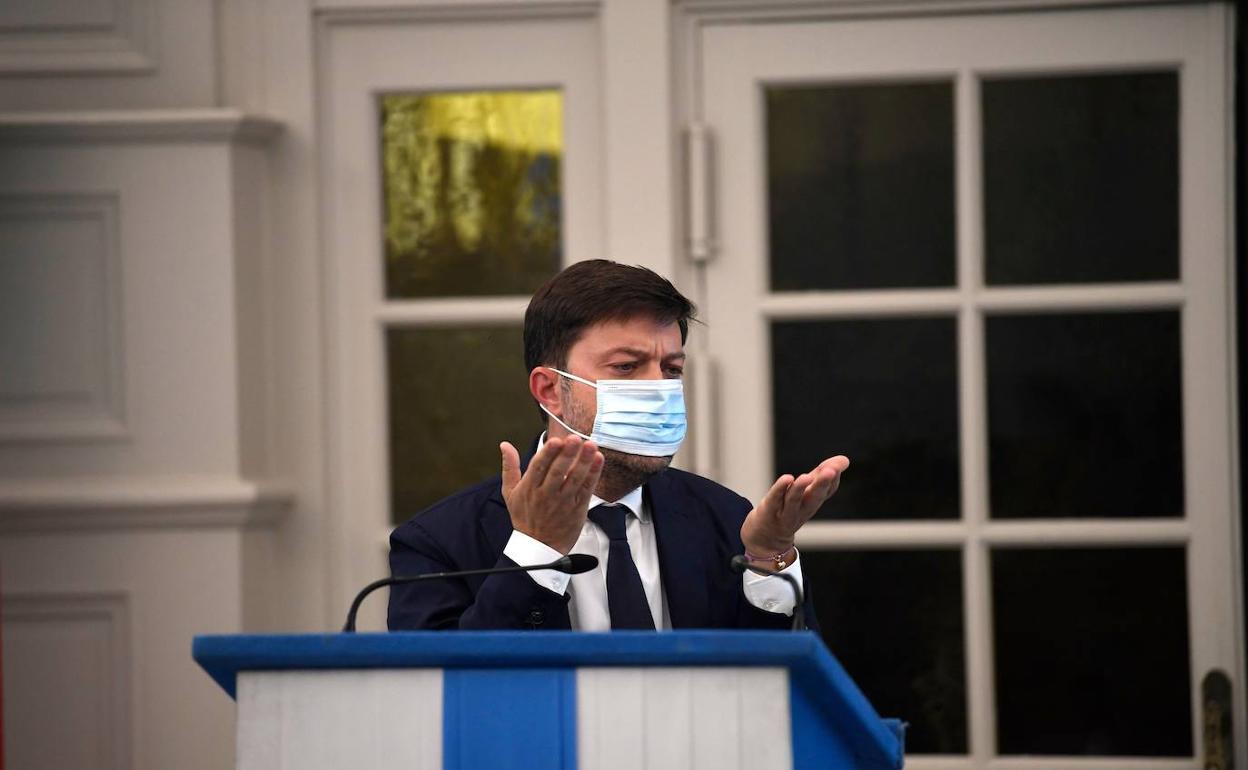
(473, 201)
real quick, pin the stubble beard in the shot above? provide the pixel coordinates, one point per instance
(621, 472)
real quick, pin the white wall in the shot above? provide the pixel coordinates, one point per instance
(97, 633)
(108, 54)
(146, 443)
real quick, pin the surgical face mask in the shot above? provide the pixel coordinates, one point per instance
(637, 417)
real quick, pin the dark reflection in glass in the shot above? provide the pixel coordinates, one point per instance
(1092, 652)
(883, 392)
(1081, 178)
(473, 204)
(860, 185)
(454, 395)
(894, 621)
(1085, 415)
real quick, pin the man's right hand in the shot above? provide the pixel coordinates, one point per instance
(550, 500)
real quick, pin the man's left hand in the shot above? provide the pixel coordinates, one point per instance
(770, 528)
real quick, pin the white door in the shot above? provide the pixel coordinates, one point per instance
(460, 163)
(988, 259)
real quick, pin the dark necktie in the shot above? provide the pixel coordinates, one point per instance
(626, 598)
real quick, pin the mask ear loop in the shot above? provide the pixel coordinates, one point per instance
(567, 427)
(593, 385)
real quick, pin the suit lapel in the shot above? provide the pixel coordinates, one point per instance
(682, 555)
(496, 521)
(496, 524)
(683, 546)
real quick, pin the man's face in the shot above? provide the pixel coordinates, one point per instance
(635, 349)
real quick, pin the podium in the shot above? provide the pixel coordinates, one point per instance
(557, 699)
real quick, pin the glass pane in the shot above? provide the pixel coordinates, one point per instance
(473, 202)
(883, 392)
(1085, 415)
(1092, 652)
(894, 621)
(860, 185)
(1081, 178)
(454, 395)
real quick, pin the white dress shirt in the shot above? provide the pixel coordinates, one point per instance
(588, 604)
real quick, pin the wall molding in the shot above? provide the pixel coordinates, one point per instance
(126, 43)
(806, 10)
(94, 408)
(45, 505)
(371, 12)
(102, 621)
(107, 126)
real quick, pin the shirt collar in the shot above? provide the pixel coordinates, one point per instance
(631, 501)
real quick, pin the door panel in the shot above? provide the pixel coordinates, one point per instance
(456, 178)
(957, 250)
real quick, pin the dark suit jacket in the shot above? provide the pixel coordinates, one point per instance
(697, 525)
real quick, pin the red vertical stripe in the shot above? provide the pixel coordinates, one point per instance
(1, 681)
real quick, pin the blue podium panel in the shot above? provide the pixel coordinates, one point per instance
(510, 699)
(509, 718)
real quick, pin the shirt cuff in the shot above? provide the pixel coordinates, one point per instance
(771, 593)
(525, 550)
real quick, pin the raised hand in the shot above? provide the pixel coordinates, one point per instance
(770, 528)
(549, 501)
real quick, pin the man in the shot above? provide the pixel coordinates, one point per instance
(604, 345)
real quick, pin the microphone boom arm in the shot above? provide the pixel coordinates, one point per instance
(572, 564)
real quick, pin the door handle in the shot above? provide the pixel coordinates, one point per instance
(1215, 697)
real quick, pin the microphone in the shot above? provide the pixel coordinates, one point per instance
(572, 564)
(740, 564)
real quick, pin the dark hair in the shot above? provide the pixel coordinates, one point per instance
(590, 292)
